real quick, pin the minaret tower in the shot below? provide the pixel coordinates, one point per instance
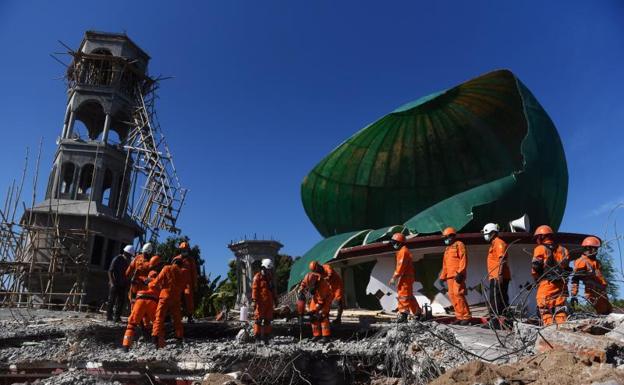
(91, 177)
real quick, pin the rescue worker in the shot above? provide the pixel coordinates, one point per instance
(264, 298)
(138, 270)
(454, 266)
(189, 270)
(549, 268)
(403, 278)
(319, 305)
(118, 283)
(589, 270)
(499, 273)
(144, 309)
(335, 283)
(170, 281)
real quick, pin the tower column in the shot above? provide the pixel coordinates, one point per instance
(65, 121)
(107, 123)
(70, 125)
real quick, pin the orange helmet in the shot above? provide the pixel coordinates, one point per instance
(449, 231)
(398, 237)
(314, 266)
(155, 261)
(591, 242)
(184, 246)
(543, 230)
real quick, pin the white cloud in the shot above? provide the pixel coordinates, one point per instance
(607, 207)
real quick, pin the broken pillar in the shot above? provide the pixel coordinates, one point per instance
(248, 254)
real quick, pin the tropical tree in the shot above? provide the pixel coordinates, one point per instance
(609, 270)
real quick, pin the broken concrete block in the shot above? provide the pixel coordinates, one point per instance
(243, 336)
(219, 379)
(588, 347)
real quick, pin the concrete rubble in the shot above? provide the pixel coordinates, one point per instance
(85, 349)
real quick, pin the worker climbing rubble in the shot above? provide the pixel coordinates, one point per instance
(170, 282)
(138, 270)
(499, 274)
(589, 270)
(144, 310)
(403, 278)
(453, 274)
(118, 283)
(335, 283)
(319, 304)
(550, 268)
(190, 274)
(264, 298)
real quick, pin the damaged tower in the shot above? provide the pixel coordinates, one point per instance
(112, 180)
(248, 254)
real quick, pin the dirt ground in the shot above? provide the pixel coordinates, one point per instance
(556, 367)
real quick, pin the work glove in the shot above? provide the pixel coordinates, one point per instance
(460, 277)
(443, 286)
(337, 321)
(573, 302)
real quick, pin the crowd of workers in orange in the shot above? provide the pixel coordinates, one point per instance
(550, 268)
(155, 290)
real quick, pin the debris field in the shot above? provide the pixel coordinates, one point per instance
(51, 347)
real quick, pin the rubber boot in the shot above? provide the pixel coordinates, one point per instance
(402, 318)
(464, 322)
(155, 341)
(190, 319)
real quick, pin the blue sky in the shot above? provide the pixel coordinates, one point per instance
(264, 89)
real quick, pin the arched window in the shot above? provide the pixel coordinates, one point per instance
(107, 185)
(92, 115)
(85, 184)
(67, 177)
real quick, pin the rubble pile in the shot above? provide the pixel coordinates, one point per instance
(77, 377)
(87, 350)
(555, 367)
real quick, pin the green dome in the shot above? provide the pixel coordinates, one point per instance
(482, 151)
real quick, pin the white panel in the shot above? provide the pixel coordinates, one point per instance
(519, 263)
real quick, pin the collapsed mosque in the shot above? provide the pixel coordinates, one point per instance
(483, 151)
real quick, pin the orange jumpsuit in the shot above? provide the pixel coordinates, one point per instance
(171, 283)
(143, 311)
(454, 263)
(404, 273)
(189, 271)
(499, 275)
(589, 271)
(264, 294)
(320, 303)
(335, 283)
(549, 263)
(137, 272)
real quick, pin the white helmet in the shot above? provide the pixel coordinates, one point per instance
(489, 228)
(147, 248)
(267, 263)
(129, 249)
